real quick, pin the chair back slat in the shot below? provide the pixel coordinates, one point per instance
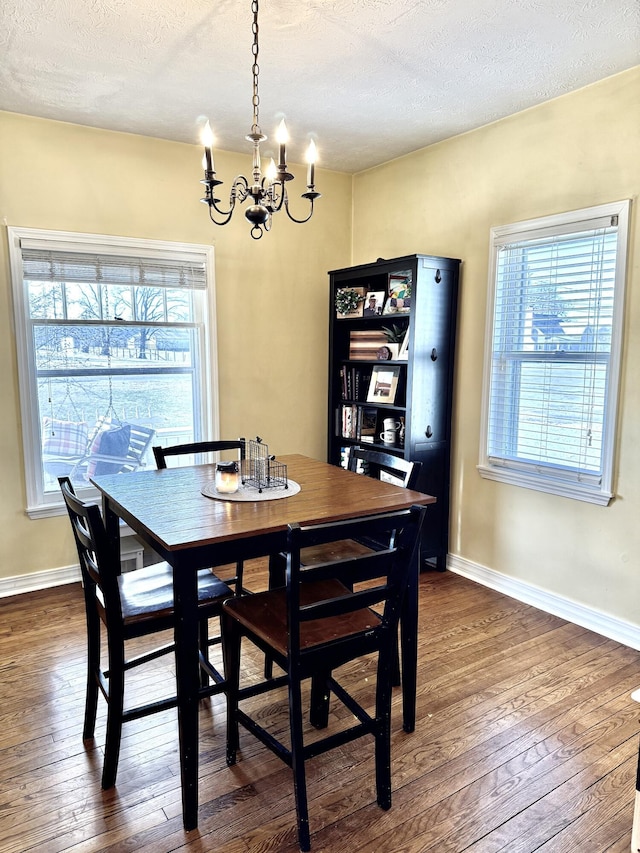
(161, 453)
(386, 571)
(348, 603)
(374, 462)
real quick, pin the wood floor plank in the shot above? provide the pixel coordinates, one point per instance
(526, 740)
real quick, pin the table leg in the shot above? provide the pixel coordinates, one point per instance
(185, 589)
(409, 647)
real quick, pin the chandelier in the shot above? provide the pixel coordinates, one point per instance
(267, 193)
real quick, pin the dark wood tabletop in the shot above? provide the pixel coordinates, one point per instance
(167, 509)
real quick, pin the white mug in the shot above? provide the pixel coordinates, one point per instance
(388, 436)
(390, 424)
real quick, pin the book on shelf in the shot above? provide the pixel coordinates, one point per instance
(368, 421)
(345, 453)
(354, 383)
(344, 457)
(348, 421)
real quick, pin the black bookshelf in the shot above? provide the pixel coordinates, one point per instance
(416, 391)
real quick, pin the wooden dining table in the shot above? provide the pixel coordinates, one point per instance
(189, 530)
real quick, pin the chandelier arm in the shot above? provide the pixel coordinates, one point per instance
(311, 197)
(277, 195)
(226, 216)
(239, 192)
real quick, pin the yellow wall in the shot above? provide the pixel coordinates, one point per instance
(579, 150)
(272, 294)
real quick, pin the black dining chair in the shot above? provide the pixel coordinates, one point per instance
(370, 463)
(130, 605)
(314, 625)
(196, 448)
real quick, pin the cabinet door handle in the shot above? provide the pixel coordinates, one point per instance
(434, 354)
(428, 431)
(438, 277)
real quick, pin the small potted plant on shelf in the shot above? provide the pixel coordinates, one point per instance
(395, 336)
(349, 301)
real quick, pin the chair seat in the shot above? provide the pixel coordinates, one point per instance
(265, 614)
(147, 593)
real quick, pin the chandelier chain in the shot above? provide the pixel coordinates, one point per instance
(255, 68)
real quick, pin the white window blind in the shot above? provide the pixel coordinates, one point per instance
(552, 371)
(45, 265)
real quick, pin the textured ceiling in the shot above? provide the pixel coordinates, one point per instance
(369, 79)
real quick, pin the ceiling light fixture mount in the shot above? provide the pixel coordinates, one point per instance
(269, 192)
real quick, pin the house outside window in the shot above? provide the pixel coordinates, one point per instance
(114, 338)
(552, 362)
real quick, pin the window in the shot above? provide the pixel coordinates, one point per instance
(552, 364)
(113, 354)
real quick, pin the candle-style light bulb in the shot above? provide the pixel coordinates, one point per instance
(312, 156)
(271, 171)
(206, 137)
(282, 137)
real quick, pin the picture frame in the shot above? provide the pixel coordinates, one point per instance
(399, 299)
(373, 303)
(403, 355)
(347, 296)
(384, 384)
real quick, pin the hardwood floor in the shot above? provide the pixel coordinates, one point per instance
(527, 740)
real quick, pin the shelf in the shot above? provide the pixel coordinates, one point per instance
(377, 445)
(394, 361)
(400, 406)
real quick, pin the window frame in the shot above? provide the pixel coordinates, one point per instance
(39, 503)
(549, 478)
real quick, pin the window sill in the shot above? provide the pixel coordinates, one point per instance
(52, 509)
(576, 491)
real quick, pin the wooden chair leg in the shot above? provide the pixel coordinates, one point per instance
(277, 569)
(383, 734)
(319, 700)
(231, 639)
(297, 763)
(115, 710)
(395, 671)
(635, 831)
(93, 667)
(203, 629)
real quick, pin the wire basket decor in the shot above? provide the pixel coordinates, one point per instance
(261, 470)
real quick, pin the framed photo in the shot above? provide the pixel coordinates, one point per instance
(399, 301)
(403, 355)
(349, 302)
(373, 303)
(383, 385)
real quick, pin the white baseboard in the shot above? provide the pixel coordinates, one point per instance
(608, 626)
(39, 580)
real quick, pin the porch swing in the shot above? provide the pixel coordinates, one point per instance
(112, 446)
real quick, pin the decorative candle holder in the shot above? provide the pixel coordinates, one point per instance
(227, 477)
